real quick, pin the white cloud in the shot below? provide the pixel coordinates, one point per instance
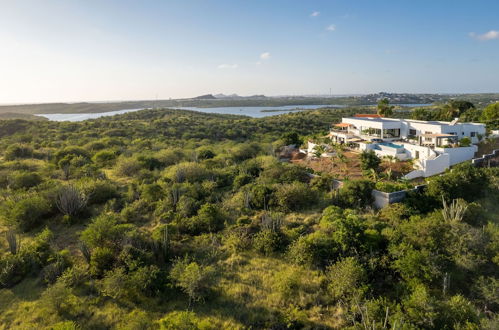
(228, 66)
(331, 27)
(315, 14)
(492, 34)
(265, 56)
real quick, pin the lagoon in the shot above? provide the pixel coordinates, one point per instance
(256, 112)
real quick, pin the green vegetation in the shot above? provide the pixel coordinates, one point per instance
(384, 108)
(182, 220)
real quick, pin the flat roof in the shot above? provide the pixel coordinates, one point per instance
(439, 135)
(428, 122)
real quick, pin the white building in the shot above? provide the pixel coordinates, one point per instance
(433, 144)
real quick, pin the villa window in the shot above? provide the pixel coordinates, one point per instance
(391, 133)
(412, 132)
(472, 134)
(376, 132)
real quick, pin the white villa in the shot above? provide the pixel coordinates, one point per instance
(434, 145)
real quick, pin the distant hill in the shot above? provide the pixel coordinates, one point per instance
(25, 116)
(238, 97)
(234, 100)
(205, 97)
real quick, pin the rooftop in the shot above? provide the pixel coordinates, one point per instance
(429, 122)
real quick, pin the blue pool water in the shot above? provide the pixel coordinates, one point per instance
(389, 144)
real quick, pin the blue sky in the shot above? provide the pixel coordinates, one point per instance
(68, 50)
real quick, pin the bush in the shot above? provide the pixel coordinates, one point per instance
(192, 278)
(389, 187)
(356, 193)
(187, 172)
(205, 154)
(465, 142)
(17, 151)
(295, 196)
(369, 160)
(317, 249)
(104, 158)
(345, 278)
(69, 153)
(268, 241)
(24, 180)
(463, 181)
(13, 268)
(26, 213)
(127, 167)
(102, 260)
(183, 320)
(104, 231)
(99, 191)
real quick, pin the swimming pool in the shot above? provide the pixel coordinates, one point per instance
(391, 145)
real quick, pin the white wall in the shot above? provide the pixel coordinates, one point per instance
(459, 155)
(424, 152)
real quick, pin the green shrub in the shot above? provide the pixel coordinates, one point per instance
(317, 249)
(345, 278)
(187, 172)
(192, 278)
(102, 260)
(184, 320)
(99, 191)
(24, 180)
(268, 241)
(104, 158)
(127, 167)
(104, 231)
(68, 153)
(369, 160)
(13, 268)
(356, 193)
(463, 181)
(205, 154)
(294, 196)
(389, 187)
(17, 151)
(25, 213)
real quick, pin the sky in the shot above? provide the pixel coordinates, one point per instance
(103, 50)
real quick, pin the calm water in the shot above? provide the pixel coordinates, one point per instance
(82, 116)
(256, 112)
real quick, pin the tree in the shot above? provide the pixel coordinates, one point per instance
(464, 181)
(356, 193)
(291, 138)
(369, 160)
(423, 114)
(384, 108)
(192, 278)
(319, 150)
(454, 109)
(345, 278)
(491, 112)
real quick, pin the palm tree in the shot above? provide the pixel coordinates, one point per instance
(384, 108)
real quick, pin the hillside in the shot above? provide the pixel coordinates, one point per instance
(170, 219)
(257, 100)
